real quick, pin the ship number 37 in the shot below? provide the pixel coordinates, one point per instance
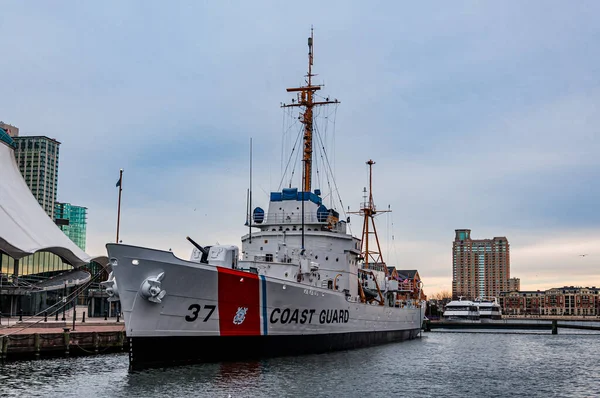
(195, 308)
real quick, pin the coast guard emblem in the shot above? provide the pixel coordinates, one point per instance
(240, 316)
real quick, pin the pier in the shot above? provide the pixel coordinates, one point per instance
(50, 338)
(513, 324)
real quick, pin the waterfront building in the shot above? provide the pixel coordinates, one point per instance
(11, 130)
(72, 220)
(514, 284)
(567, 300)
(410, 282)
(480, 267)
(40, 268)
(37, 159)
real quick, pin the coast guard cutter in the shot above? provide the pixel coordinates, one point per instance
(301, 284)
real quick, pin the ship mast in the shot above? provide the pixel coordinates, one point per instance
(373, 259)
(305, 99)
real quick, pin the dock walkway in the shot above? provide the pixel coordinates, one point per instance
(36, 337)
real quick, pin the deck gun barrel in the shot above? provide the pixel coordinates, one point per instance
(202, 249)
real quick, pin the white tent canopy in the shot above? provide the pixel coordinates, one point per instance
(25, 228)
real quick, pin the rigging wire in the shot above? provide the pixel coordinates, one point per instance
(333, 178)
(333, 146)
(296, 163)
(289, 123)
(289, 160)
(316, 153)
(387, 231)
(327, 139)
(394, 243)
(283, 135)
(284, 143)
(316, 162)
(326, 176)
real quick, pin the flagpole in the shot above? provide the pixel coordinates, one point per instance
(119, 207)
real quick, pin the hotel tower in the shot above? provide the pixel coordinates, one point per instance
(480, 267)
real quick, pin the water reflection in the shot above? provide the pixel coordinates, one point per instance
(439, 364)
(195, 379)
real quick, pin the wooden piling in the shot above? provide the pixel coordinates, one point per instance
(121, 339)
(36, 344)
(95, 339)
(555, 327)
(66, 339)
(4, 347)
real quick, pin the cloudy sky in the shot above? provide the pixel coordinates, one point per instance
(480, 115)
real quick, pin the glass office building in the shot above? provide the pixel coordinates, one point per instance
(72, 220)
(37, 158)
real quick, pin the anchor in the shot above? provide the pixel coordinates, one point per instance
(111, 287)
(151, 288)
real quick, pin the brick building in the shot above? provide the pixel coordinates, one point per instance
(514, 284)
(567, 300)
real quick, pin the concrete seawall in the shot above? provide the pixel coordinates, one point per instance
(52, 341)
(515, 324)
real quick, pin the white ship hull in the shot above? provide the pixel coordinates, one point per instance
(206, 310)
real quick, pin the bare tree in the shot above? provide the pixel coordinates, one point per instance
(443, 295)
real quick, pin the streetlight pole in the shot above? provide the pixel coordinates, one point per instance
(74, 313)
(64, 300)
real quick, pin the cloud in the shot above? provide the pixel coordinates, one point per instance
(480, 116)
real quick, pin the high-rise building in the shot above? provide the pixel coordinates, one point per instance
(11, 130)
(37, 158)
(480, 267)
(72, 220)
(514, 285)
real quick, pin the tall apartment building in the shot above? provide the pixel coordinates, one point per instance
(72, 220)
(480, 267)
(11, 130)
(37, 158)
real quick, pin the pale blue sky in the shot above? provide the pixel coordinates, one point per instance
(479, 115)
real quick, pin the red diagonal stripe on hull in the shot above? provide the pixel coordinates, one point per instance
(238, 290)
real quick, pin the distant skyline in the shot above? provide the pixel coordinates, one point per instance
(478, 115)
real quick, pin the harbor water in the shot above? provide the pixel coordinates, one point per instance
(440, 364)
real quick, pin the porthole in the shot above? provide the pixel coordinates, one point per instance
(337, 259)
(326, 258)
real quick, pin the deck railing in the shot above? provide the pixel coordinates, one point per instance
(290, 218)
